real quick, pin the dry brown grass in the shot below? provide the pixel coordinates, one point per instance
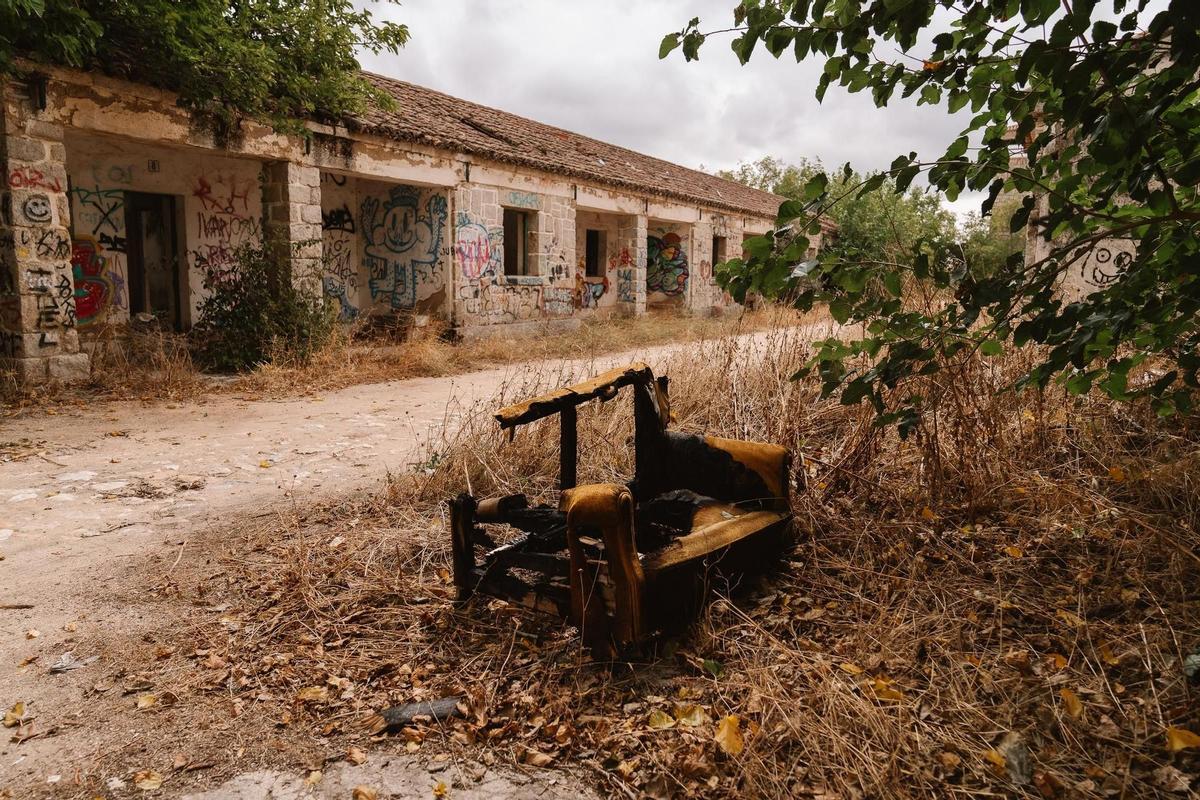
(999, 605)
(153, 365)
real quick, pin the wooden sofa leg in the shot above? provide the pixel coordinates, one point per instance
(462, 521)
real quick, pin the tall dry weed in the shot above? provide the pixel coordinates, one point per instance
(1000, 604)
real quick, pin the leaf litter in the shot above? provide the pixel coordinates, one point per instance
(894, 653)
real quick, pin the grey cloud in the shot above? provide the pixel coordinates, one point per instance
(593, 68)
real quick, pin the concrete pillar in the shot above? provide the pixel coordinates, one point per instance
(292, 218)
(700, 267)
(38, 339)
(631, 265)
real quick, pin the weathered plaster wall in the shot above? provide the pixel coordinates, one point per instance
(404, 243)
(343, 275)
(1096, 271)
(704, 293)
(597, 294)
(387, 246)
(220, 206)
(483, 294)
(668, 268)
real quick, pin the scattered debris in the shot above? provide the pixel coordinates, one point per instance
(67, 662)
(391, 720)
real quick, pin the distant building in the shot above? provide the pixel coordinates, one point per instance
(114, 198)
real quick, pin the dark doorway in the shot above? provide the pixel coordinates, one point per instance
(155, 283)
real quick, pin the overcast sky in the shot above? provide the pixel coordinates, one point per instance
(592, 66)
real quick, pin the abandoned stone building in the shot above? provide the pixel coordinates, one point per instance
(115, 201)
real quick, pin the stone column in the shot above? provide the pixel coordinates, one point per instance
(631, 265)
(37, 290)
(292, 218)
(700, 267)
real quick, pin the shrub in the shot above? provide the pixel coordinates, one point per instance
(255, 311)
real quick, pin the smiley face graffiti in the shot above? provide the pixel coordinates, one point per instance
(37, 209)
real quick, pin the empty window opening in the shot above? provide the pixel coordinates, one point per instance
(718, 250)
(594, 254)
(516, 231)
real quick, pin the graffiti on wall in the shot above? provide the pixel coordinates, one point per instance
(402, 243)
(666, 264)
(347, 311)
(223, 221)
(1105, 264)
(489, 301)
(33, 178)
(339, 228)
(38, 209)
(524, 200)
(588, 291)
(558, 301)
(478, 250)
(97, 287)
(98, 211)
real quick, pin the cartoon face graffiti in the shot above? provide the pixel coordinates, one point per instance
(37, 208)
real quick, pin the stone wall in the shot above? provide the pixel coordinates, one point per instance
(668, 264)
(219, 202)
(386, 246)
(484, 295)
(597, 294)
(38, 336)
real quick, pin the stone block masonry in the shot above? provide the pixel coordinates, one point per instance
(38, 292)
(292, 218)
(631, 265)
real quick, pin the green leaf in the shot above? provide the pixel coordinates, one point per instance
(669, 43)
(816, 186)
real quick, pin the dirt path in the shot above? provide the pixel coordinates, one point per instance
(93, 493)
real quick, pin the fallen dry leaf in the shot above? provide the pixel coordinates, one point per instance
(852, 669)
(660, 720)
(147, 780)
(690, 715)
(1116, 473)
(440, 789)
(1071, 618)
(32, 633)
(363, 792)
(729, 735)
(1170, 779)
(1071, 703)
(884, 690)
(13, 717)
(356, 756)
(1181, 739)
(313, 778)
(147, 701)
(536, 758)
(313, 694)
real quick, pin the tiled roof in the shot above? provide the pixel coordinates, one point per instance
(439, 120)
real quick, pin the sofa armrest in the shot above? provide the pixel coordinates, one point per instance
(604, 511)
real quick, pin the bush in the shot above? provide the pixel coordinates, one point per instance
(254, 312)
